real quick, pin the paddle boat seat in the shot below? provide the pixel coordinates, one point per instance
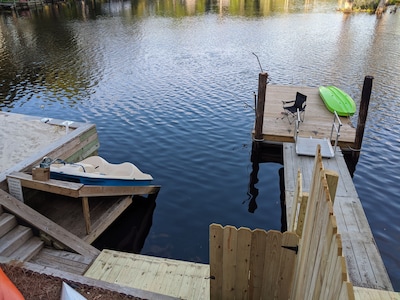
(298, 108)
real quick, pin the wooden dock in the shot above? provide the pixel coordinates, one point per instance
(174, 278)
(364, 263)
(317, 119)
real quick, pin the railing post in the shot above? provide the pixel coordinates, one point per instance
(258, 127)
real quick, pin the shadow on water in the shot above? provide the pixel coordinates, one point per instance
(129, 232)
(266, 153)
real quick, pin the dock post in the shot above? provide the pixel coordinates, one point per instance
(258, 127)
(362, 118)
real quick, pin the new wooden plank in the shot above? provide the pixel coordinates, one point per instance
(351, 220)
(302, 214)
(216, 253)
(258, 244)
(47, 226)
(180, 279)
(243, 263)
(287, 264)
(272, 260)
(298, 195)
(229, 262)
(367, 293)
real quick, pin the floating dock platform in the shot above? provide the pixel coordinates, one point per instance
(317, 118)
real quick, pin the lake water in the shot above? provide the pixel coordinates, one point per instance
(170, 86)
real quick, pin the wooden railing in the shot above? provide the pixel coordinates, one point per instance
(256, 264)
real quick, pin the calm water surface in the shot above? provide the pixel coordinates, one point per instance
(169, 86)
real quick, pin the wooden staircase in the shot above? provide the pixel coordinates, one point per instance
(17, 241)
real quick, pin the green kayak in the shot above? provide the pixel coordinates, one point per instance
(337, 100)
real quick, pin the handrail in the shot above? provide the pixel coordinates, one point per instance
(337, 129)
(297, 125)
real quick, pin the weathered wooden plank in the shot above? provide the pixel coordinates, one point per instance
(42, 223)
(317, 122)
(77, 190)
(62, 260)
(98, 191)
(65, 188)
(86, 214)
(107, 218)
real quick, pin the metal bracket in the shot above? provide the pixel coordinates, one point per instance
(293, 248)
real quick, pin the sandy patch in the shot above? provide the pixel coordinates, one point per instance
(22, 136)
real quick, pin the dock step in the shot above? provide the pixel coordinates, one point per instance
(7, 222)
(28, 249)
(62, 260)
(14, 239)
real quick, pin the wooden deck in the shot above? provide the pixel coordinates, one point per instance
(92, 209)
(365, 266)
(180, 279)
(317, 119)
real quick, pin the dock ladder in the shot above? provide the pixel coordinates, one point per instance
(306, 146)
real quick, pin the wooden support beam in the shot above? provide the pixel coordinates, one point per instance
(86, 214)
(262, 86)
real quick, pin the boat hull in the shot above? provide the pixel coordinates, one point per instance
(337, 100)
(98, 181)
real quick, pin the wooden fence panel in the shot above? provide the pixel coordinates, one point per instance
(251, 264)
(321, 271)
(246, 264)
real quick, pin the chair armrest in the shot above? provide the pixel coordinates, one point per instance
(287, 102)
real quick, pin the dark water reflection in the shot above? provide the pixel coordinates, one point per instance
(169, 85)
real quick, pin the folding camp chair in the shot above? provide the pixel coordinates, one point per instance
(298, 107)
